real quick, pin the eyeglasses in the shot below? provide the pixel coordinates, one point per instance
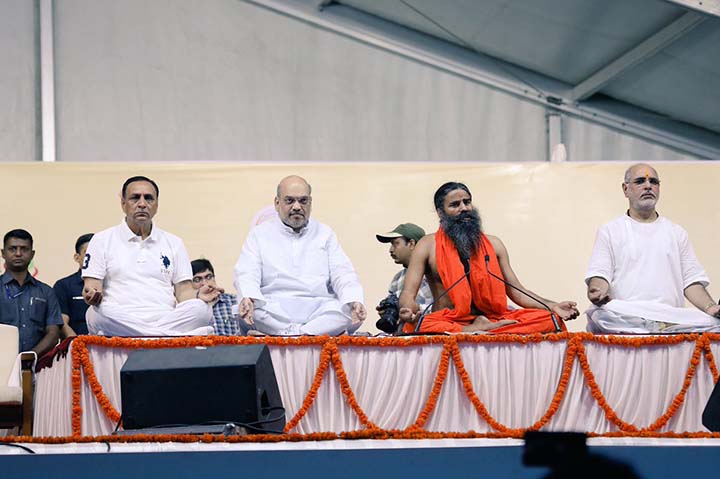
(641, 180)
(200, 279)
(303, 200)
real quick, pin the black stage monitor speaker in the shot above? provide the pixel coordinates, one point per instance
(554, 448)
(199, 386)
(711, 414)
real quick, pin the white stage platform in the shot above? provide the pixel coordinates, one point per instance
(339, 444)
(356, 459)
(567, 382)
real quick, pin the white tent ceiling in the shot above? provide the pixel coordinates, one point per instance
(653, 66)
(570, 40)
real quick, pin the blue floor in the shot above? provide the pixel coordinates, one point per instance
(435, 463)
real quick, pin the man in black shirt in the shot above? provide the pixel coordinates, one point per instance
(69, 294)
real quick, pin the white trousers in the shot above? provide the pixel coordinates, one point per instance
(189, 318)
(302, 316)
(646, 317)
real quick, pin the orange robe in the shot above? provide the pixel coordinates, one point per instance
(486, 292)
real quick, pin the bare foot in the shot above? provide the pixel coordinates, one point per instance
(482, 324)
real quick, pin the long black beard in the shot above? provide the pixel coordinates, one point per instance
(464, 230)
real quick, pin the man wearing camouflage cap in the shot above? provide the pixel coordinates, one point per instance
(402, 243)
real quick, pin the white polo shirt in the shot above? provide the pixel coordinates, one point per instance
(138, 275)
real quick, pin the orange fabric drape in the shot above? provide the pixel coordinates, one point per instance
(486, 292)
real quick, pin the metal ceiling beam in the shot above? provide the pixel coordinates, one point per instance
(439, 55)
(321, 4)
(332, 19)
(47, 80)
(638, 54)
(708, 7)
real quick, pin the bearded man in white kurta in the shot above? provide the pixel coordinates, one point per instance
(138, 277)
(643, 266)
(293, 276)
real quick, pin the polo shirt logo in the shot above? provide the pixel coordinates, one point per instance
(165, 261)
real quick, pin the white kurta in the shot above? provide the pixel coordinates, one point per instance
(301, 283)
(138, 285)
(648, 266)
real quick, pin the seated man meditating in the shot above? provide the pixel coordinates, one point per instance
(642, 265)
(293, 276)
(138, 277)
(459, 262)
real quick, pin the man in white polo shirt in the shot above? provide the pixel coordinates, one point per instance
(138, 278)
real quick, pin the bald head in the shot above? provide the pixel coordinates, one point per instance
(293, 202)
(639, 169)
(641, 187)
(292, 180)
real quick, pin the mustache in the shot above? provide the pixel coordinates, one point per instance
(472, 216)
(464, 230)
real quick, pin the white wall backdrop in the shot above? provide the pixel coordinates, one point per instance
(224, 80)
(18, 127)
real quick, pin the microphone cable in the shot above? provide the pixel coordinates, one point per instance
(556, 325)
(554, 319)
(420, 321)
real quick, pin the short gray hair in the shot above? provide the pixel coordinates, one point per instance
(626, 179)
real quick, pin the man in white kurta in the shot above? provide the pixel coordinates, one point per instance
(643, 267)
(138, 277)
(293, 276)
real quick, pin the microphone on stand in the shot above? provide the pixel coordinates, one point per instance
(552, 315)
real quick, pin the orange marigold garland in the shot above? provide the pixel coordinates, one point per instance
(513, 338)
(470, 392)
(327, 436)
(639, 341)
(81, 365)
(314, 387)
(677, 402)
(76, 381)
(710, 358)
(552, 408)
(443, 366)
(389, 341)
(200, 341)
(81, 355)
(680, 396)
(610, 414)
(570, 353)
(345, 387)
(89, 370)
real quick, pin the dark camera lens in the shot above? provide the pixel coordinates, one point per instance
(389, 317)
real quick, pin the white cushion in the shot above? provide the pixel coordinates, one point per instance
(10, 395)
(9, 340)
